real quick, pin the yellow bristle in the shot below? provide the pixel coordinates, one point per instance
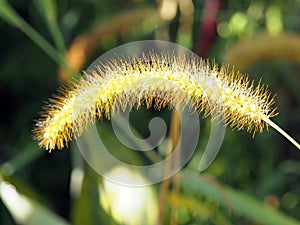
(147, 80)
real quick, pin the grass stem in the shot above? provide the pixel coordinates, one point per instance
(281, 131)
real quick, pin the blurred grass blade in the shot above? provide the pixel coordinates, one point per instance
(200, 210)
(86, 209)
(30, 153)
(48, 10)
(8, 14)
(238, 202)
(25, 210)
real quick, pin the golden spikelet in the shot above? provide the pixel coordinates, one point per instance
(159, 81)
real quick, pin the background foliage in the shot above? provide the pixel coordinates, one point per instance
(248, 174)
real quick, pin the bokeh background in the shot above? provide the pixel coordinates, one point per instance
(44, 43)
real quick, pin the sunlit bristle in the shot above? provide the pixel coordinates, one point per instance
(159, 81)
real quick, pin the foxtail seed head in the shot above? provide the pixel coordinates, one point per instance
(145, 80)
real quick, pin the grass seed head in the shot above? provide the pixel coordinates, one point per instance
(157, 80)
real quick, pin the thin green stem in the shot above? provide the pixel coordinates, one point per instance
(48, 11)
(21, 160)
(8, 14)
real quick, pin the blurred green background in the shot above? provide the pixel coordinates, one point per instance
(44, 43)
